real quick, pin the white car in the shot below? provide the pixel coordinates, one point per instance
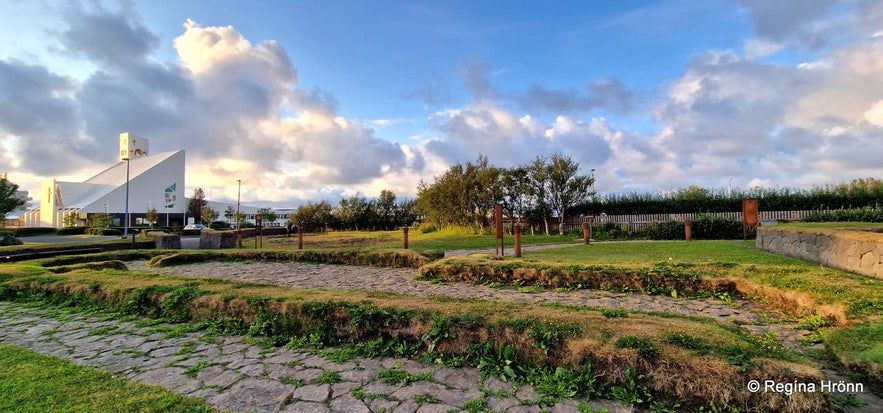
(198, 227)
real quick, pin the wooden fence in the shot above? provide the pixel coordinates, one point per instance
(636, 222)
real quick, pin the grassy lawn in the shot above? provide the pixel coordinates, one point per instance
(30, 382)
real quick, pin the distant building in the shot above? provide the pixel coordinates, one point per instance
(154, 181)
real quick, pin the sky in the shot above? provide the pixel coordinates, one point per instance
(307, 100)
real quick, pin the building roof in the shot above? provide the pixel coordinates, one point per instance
(81, 194)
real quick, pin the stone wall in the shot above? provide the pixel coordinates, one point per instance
(166, 241)
(850, 250)
(209, 239)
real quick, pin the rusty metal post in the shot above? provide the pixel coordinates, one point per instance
(586, 233)
(405, 231)
(518, 240)
(300, 237)
(688, 229)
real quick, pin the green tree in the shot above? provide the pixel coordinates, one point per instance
(151, 216)
(8, 201)
(565, 187)
(209, 215)
(70, 219)
(229, 213)
(538, 189)
(196, 204)
(386, 208)
(101, 220)
(352, 211)
(314, 214)
(267, 215)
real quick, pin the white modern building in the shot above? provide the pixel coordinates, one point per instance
(139, 179)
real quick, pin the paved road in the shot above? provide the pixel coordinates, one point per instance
(57, 239)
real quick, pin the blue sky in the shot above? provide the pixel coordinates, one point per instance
(318, 100)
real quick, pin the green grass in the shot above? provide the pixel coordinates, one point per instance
(30, 382)
(655, 251)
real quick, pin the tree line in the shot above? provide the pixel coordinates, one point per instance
(538, 191)
(859, 193)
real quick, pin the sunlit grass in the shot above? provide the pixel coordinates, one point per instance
(30, 382)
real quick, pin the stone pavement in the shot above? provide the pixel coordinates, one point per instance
(232, 375)
(401, 281)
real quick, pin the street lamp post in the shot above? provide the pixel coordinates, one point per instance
(126, 226)
(105, 214)
(238, 218)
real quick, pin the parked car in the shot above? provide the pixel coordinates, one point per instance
(197, 227)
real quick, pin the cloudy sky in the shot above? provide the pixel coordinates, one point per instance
(321, 99)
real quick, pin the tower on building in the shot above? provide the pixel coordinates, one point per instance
(132, 146)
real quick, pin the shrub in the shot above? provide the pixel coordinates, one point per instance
(665, 230)
(73, 231)
(24, 232)
(866, 214)
(219, 225)
(104, 231)
(710, 227)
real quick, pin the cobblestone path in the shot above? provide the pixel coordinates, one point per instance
(232, 375)
(401, 280)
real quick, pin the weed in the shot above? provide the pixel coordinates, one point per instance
(328, 377)
(186, 349)
(685, 341)
(498, 362)
(566, 382)
(713, 408)
(813, 323)
(740, 356)
(645, 347)
(339, 354)
(441, 330)
(632, 391)
(426, 398)
(291, 381)
(585, 407)
(548, 335)
(614, 312)
(398, 377)
(104, 331)
(194, 370)
(477, 406)
(842, 402)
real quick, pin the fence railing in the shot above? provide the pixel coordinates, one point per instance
(636, 222)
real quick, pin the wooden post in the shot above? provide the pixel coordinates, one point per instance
(586, 233)
(405, 232)
(688, 229)
(498, 221)
(300, 237)
(518, 240)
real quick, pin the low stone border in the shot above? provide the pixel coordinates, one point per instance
(855, 251)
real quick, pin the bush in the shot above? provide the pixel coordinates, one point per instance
(611, 231)
(866, 214)
(73, 231)
(710, 227)
(666, 230)
(104, 231)
(219, 225)
(24, 232)
(425, 227)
